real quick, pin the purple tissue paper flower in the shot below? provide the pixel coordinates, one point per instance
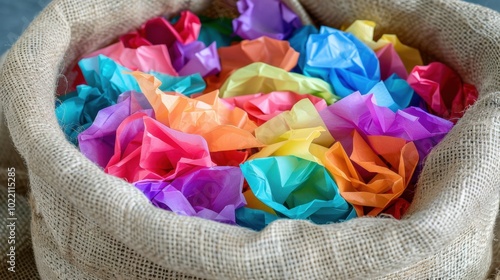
(270, 18)
(212, 193)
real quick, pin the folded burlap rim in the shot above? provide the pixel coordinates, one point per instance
(47, 49)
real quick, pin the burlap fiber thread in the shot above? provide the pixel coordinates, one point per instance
(86, 224)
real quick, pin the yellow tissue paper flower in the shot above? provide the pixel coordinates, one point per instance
(364, 30)
(263, 78)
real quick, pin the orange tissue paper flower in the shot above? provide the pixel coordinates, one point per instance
(375, 174)
(223, 128)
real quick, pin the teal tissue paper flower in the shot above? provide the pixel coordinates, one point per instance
(294, 188)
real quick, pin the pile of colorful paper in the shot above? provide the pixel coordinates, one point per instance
(257, 118)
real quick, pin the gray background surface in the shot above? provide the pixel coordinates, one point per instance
(15, 16)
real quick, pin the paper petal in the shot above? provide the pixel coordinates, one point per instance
(187, 85)
(254, 218)
(383, 97)
(364, 30)
(263, 107)
(262, 78)
(342, 60)
(394, 93)
(181, 53)
(267, 50)
(158, 31)
(297, 189)
(136, 100)
(78, 110)
(298, 41)
(265, 18)
(134, 40)
(108, 76)
(143, 58)
(205, 62)
(402, 93)
(150, 188)
(187, 27)
(390, 63)
(443, 90)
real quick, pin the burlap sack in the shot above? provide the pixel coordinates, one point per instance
(24, 260)
(86, 224)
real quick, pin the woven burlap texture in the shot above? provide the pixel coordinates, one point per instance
(25, 262)
(86, 224)
(25, 267)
